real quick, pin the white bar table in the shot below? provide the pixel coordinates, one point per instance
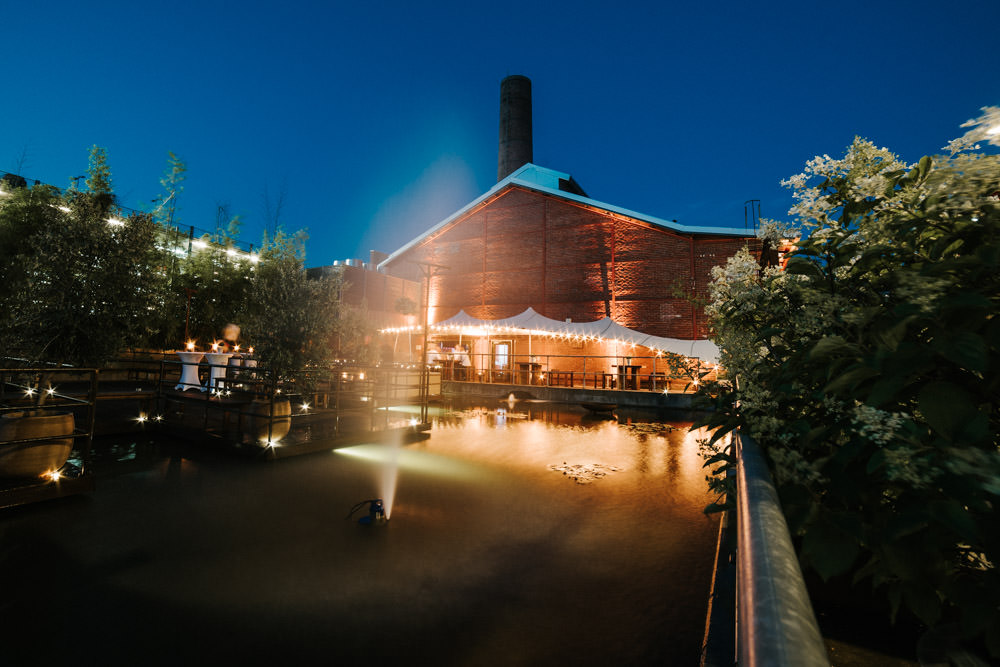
(217, 361)
(189, 371)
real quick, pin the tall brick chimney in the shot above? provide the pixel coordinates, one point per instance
(515, 125)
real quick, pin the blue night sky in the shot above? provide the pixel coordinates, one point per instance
(379, 119)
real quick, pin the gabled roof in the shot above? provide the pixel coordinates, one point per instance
(562, 185)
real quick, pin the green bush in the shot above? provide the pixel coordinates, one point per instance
(76, 280)
(79, 284)
(868, 368)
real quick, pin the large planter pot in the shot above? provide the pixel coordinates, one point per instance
(32, 459)
(255, 421)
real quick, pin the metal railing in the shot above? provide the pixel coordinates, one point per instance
(776, 625)
(635, 373)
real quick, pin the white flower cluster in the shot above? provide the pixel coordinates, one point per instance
(904, 466)
(862, 174)
(984, 128)
(925, 292)
(775, 231)
(876, 425)
(736, 284)
(979, 467)
(791, 466)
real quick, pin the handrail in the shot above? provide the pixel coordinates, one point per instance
(775, 619)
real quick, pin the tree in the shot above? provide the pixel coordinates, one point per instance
(172, 183)
(77, 280)
(218, 278)
(290, 320)
(867, 370)
(272, 208)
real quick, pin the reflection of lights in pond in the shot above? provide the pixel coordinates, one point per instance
(414, 410)
(409, 460)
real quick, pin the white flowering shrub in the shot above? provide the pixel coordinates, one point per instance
(869, 371)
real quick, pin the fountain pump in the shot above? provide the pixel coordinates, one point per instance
(376, 512)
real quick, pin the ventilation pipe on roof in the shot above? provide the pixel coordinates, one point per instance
(515, 125)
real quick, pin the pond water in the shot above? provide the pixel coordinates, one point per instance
(519, 534)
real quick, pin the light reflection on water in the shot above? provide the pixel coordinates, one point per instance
(625, 558)
(490, 557)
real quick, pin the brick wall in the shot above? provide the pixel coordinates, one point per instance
(524, 248)
(377, 293)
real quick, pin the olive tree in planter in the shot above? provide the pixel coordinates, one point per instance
(291, 320)
(76, 278)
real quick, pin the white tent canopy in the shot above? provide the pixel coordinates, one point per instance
(531, 322)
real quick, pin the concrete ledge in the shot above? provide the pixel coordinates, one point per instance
(622, 398)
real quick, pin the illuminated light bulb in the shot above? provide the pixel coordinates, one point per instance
(50, 391)
(141, 419)
(190, 346)
(53, 475)
(305, 407)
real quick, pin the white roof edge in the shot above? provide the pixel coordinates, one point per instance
(553, 176)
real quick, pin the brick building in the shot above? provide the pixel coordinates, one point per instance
(537, 240)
